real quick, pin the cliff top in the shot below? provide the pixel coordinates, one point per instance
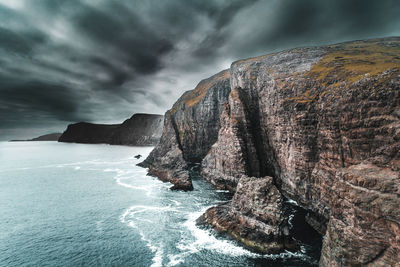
(338, 46)
(192, 97)
(332, 67)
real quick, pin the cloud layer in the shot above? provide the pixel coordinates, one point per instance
(103, 60)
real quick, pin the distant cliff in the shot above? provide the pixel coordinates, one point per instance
(140, 129)
(46, 137)
(324, 124)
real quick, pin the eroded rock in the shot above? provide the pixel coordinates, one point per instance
(254, 216)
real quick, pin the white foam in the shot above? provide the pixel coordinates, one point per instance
(291, 201)
(177, 203)
(175, 259)
(222, 191)
(290, 220)
(204, 239)
(129, 218)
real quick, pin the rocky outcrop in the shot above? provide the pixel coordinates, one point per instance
(190, 128)
(254, 216)
(139, 130)
(324, 123)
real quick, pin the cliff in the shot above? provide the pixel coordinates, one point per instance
(140, 129)
(190, 128)
(324, 123)
(46, 137)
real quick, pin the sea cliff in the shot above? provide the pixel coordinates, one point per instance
(139, 130)
(318, 125)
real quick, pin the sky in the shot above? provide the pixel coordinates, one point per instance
(65, 61)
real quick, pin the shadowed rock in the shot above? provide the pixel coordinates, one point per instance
(139, 130)
(190, 128)
(46, 137)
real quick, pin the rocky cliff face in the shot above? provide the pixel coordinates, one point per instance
(324, 123)
(140, 129)
(190, 128)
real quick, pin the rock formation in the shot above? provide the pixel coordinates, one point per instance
(139, 130)
(324, 123)
(190, 128)
(254, 216)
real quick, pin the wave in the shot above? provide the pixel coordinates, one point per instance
(206, 240)
(130, 218)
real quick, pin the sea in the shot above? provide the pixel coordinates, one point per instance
(65, 204)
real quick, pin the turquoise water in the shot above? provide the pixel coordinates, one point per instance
(90, 205)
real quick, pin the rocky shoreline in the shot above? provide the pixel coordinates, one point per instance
(318, 125)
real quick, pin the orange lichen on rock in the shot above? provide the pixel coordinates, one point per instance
(194, 96)
(353, 61)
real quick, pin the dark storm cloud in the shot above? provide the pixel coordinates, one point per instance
(102, 60)
(291, 23)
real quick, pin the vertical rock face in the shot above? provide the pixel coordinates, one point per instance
(314, 119)
(364, 221)
(237, 151)
(254, 216)
(190, 128)
(140, 129)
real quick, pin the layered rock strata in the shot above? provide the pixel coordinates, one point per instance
(363, 227)
(139, 130)
(190, 128)
(310, 118)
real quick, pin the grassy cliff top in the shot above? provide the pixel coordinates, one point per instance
(352, 61)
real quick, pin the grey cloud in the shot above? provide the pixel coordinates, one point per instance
(103, 60)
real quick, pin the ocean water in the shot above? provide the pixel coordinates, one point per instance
(90, 205)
